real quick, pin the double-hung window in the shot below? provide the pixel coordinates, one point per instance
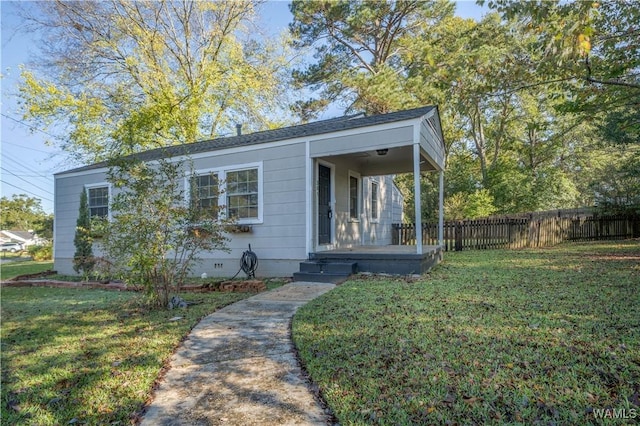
(234, 192)
(204, 194)
(98, 201)
(242, 194)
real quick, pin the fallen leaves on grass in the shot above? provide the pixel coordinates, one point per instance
(529, 336)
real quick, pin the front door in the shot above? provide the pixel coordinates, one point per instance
(324, 205)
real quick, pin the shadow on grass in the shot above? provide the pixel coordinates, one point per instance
(88, 355)
(488, 337)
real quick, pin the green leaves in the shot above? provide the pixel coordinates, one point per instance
(152, 74)
(150, 239)
(83, 260)
(21, 212)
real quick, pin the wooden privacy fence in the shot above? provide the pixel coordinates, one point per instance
(510, 232)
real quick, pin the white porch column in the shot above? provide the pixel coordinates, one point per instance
(417, 196)
(309, 247)
(441, 210)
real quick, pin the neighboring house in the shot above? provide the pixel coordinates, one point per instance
(302, 191)
(25, 238)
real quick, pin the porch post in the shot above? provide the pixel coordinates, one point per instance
(441, 210)
(417, 196)
(309, 247)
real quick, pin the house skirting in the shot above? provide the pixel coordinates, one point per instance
(222, 268)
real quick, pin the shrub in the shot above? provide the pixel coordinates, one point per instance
(41, 253)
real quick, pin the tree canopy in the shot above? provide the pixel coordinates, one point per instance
(24, 213)
(531, 97)
(539, 100)
(121, 76)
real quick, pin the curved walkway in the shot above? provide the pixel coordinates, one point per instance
(238, 367)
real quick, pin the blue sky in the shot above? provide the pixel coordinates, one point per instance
(27, 162)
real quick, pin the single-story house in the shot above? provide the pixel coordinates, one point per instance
(310, 195)
(25, 238)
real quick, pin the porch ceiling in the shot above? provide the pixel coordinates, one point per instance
(396, 160)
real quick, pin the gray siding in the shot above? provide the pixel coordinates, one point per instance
(379, 232)
(350, 233)
(279, 241)
(367, 141)
(432, 144)
(397, 215)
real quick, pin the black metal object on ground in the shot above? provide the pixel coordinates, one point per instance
(248, 264)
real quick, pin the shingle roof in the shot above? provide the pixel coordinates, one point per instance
(302, 130)
(22, 235)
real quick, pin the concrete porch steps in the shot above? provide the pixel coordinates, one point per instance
(323, 271)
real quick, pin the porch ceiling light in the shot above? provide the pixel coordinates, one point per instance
(382, 151)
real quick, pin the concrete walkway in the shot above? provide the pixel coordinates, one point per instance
(237, 367)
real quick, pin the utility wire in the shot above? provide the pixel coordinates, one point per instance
(24, 180)
(28, 192)
(23, 166)
(32, 149)
(27, 125)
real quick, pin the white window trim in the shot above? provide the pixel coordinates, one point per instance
(358, 197)
(89, 186)
(377, 218)
(222, 197)
(201, 172)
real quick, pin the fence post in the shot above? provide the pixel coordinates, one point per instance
(458, 236)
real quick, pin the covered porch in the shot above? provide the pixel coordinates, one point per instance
(347, 222)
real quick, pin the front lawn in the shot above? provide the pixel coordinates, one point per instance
(21, 267)
(546, 336)
(78, 356)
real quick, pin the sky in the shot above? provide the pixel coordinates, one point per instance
(27, 161)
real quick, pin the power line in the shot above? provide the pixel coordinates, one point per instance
(32, 149)
(28, 192)
(27, 125)
(24, 180)
(22, 165)
(31, 176)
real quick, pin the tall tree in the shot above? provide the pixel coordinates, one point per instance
(120, 76)
(593, 48)
(23, 213)
(357, 50)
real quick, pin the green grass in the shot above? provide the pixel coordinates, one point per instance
(88, 355)
(20, 267)
(489, 337)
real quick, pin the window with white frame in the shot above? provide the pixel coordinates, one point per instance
(205, 193)
(354, 197)
(98, 201)
(241, 185)
(375, 196)
(242, 194)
